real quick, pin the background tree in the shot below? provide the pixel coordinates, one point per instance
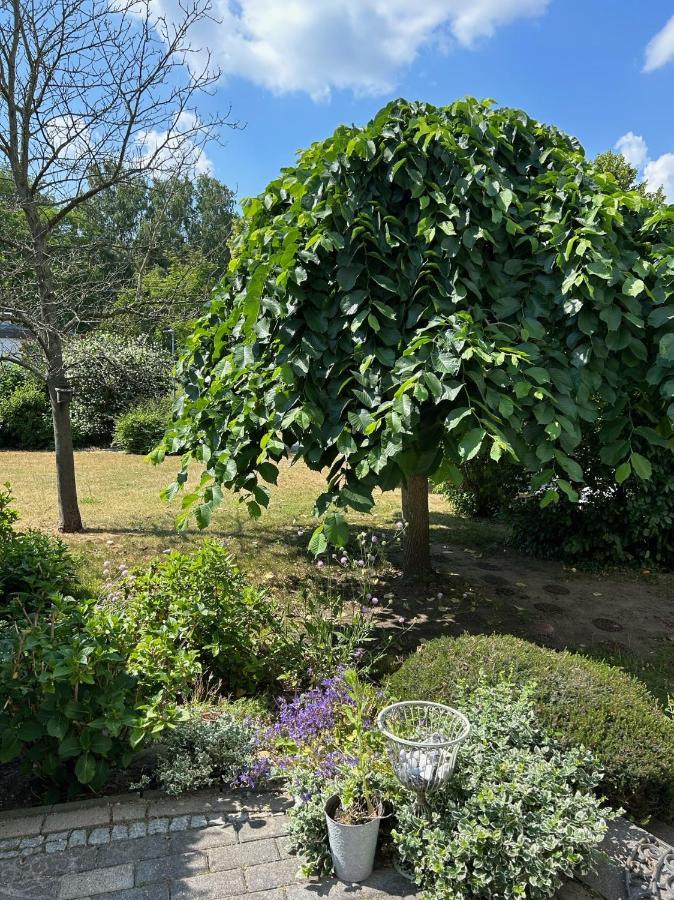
(440, 281)
(93, 94)
(627, 175)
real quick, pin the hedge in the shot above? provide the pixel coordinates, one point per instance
(582, 702)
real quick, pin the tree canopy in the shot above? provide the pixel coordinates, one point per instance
(439, 283)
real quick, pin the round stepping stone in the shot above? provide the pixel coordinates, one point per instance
(496, 580)
(607, 624)
(546, 607)
(557, 589)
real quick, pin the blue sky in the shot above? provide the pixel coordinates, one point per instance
(296, 69)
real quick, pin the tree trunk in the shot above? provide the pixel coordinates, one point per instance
(69, 512)
(416, 546)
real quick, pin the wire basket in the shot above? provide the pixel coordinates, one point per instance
(423, 742)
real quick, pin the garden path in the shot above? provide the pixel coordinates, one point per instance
(202, 846)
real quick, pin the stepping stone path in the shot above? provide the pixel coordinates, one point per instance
(201, 846)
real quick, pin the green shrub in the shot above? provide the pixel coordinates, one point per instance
(198, 753)
(582, 702)
(33, 565)
(202, 601)
(111, 374)
(140, 429)
(631, 523)
(518, 815)
(82, 686)
(25, 417)
(487, 488)
(12, 377)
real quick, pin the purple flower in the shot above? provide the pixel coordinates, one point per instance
(344, 560)
(374, 601)
(320, 564)
(375, 539)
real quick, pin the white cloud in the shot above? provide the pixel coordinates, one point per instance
(634, 148)
(166, 153)
(660, 49)
(660, 173)
(316, 46)
(656, 172)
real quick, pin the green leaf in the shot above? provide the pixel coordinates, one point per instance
(632, 286)
(612, 316)
(57, 727)
(641, 466)
(318, 543)
(455, 416)
(471, 442)
(336, 530)
(623, 472)
(550, 496)
(347, 276)
(85, 768)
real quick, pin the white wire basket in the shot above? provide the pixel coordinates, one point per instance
(423, 742)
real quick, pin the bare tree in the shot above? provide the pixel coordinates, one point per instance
(102, 87)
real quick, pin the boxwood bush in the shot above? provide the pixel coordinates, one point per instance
(582, 702)
(140, 429)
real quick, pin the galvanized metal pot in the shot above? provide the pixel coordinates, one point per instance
(352, 846)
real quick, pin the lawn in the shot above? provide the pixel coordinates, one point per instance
(120, 503)
(480, 586)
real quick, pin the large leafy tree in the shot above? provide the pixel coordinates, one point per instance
(440, 283)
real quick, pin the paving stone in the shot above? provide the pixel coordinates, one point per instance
(30, 842)
(204, 838)
(129, 811)
(255, 828)
(81, 817)
(198, 821)
(151, 892)
(134, 850)
(44, 865)
(8, 854)
(283, 844)
(99, 836)
(276, 894)
(119, 833)
(266, 802)
(30, 888)
(78, 838)
(196, 804)
(251, 854)
(98, 881)
(17, 826)
(180, 823)
(56, 846)
(137, 829)
(210, 887)
(158, 826)
(9, 844)
(165, 867)
(271, 875)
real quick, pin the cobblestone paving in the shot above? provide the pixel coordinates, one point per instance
(204, 846)
(201, 846)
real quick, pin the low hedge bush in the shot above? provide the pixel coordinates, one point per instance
(33, 565)
(582, 702)
(25, 417)
(140, 429)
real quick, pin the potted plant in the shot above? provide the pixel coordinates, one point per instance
(353, 816)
